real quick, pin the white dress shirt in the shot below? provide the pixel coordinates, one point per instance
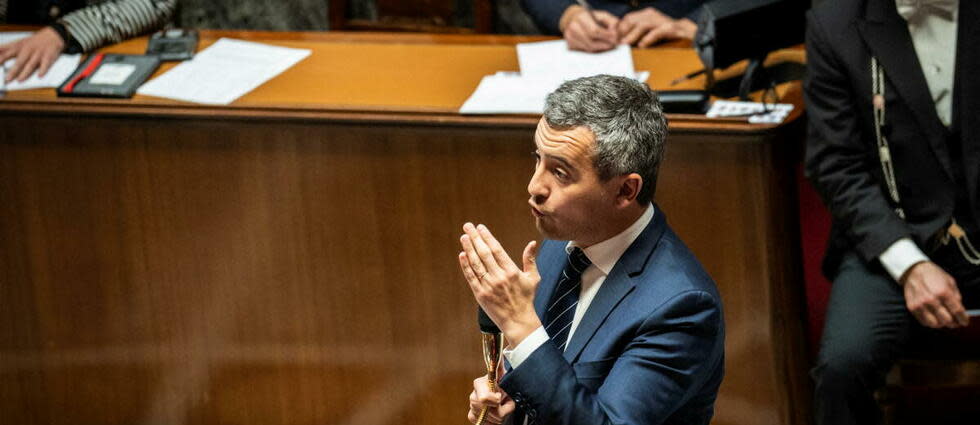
(934, 37)
(604, 256)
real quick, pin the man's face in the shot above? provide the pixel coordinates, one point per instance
(568, 200)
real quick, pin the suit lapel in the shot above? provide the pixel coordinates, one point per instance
(886, 35)
(967, 94)
(617, 285)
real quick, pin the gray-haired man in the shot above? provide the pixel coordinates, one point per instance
(614, 321)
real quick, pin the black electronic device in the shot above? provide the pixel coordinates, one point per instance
(173, 44)
(683, 101)
(109, 75)
(733, 30)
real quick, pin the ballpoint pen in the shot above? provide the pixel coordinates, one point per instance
(687, 76)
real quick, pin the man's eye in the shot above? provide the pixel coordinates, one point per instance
(561, 174)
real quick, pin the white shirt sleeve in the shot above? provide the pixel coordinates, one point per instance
(523, 350)
(900, 256)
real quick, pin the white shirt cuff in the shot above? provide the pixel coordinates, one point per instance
(523, 350)
(900, 256)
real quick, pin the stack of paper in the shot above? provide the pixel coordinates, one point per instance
(544, 66)
(57, 73)
(224, 72)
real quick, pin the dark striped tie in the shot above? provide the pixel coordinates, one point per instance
(561, 307)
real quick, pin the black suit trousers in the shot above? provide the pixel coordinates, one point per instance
(867, 328)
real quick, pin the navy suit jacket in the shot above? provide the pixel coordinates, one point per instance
(649, 350)
(547, 13)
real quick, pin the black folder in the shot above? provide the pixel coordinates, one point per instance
(109, 75)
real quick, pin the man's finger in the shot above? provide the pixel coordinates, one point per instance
(943, 318)
(29, 66)
(19, 62)
(655, 35)
(499, 254)
(7, 52)
(471, 278)
(472, 257)
(927, 319)
(46, 61)
(607, 20)
(625, 25)
(954, 305)
(530, 257)
(482, 249)
(635, 34)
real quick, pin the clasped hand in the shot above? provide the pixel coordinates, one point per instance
(600, 30)
(499, 404)
(505, 291)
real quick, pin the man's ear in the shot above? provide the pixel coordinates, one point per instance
(629, 189)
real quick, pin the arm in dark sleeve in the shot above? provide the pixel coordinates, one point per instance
(547, 13)
(841, 160)
(116, 20)
(676, 350)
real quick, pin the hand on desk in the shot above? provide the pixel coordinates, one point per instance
(646, 27)
(500, 404)
(37, 52)
(932, 296)
(504, 291)
(601, 31)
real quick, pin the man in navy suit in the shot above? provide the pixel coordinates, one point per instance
(614, 320)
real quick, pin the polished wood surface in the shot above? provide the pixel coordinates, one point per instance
(290, 258)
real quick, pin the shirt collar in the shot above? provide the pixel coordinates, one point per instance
(915, 10)
(605, 254)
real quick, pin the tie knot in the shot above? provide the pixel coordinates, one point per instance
(578, 259)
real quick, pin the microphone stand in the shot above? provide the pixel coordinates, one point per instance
(493, 345)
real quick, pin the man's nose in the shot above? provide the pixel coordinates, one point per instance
(536, 187)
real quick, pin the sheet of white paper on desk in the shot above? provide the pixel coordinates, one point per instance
(57, 74)
(553, 59)
(510, 93)
(506, 93)
(223, 72)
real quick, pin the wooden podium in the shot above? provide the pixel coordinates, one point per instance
(290, 258)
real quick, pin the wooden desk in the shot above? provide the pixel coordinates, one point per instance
(290, 259)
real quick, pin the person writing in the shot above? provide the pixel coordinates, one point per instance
(612, 320)
(600, 25)
(74, 26)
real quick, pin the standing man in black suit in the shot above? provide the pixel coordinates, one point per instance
(894, 149)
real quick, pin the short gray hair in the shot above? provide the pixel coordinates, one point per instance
(626, 118)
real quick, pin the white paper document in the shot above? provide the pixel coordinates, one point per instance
(754, 110)
(553, 59)
(509, 93)
(223, 72)
(544, 66)
(57, 74)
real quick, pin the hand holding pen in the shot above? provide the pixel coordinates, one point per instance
(587, 29)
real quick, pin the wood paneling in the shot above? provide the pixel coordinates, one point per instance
(279, 261)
